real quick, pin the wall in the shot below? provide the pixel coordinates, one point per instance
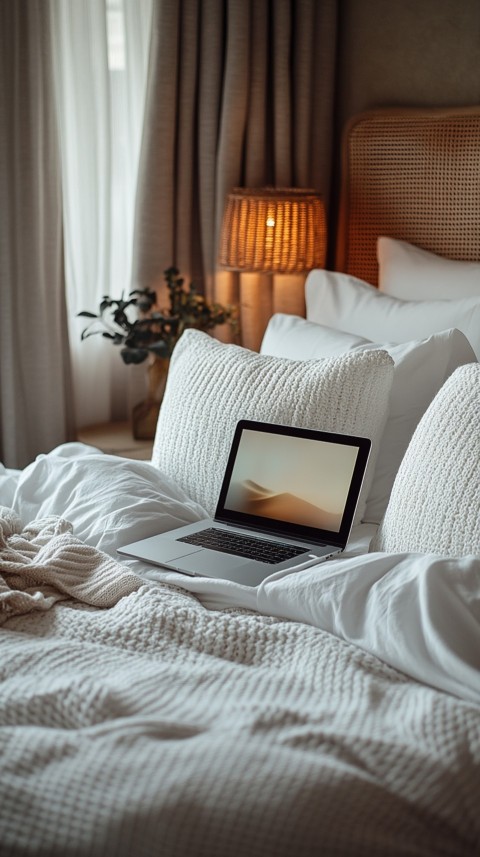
(408, 52)
(415, 53)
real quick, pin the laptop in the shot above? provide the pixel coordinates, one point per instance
(287, 502)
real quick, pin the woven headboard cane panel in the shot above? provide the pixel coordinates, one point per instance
(412, 174)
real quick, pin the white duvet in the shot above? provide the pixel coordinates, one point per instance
(335, 710)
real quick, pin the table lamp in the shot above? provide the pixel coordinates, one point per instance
(275, 231)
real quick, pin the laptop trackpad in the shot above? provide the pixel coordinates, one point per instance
(211, 563)
(173, 549)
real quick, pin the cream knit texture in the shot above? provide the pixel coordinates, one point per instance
(157, 727)
(43, 563)
(434, 506)
(211, 386)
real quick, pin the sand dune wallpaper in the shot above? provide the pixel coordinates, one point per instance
(291, 479)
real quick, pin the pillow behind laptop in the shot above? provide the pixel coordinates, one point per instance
(421, 368)
(211, 386)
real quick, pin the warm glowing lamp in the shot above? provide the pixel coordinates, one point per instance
(272, 231)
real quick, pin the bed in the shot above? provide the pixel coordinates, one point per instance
(333, 711)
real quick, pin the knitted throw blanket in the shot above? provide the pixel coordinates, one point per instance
(44, 563)
(157, 727)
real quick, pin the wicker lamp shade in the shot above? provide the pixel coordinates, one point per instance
(273, 231)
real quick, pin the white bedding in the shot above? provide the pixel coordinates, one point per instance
(419, 613)
(337, 708)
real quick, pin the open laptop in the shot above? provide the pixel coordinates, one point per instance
(287, 501)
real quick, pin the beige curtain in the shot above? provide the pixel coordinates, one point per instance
(35, 387)
(240, 93)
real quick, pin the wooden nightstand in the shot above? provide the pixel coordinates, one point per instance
(116, 439)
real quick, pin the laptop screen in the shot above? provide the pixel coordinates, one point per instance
(293, 480)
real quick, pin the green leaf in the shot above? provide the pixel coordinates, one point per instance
(156, 332)
(87, 332)
(160, 349)
(134, 355)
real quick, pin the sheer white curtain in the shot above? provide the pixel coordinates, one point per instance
(101, 60)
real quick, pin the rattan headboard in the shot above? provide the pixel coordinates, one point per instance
(412, 174)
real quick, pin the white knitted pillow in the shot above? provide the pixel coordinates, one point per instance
(435, 501)
(212, 385)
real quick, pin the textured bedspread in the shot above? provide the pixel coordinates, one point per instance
(155, 726)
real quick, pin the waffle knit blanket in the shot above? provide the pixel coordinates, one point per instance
(134, 721)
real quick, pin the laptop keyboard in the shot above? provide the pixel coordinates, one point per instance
(251, 548)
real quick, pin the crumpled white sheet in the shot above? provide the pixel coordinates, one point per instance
(418, 613)
(109, 500)
(8, 483)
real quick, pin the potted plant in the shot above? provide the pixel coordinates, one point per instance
(148, 333)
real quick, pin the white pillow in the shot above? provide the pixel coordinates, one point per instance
(293, 337)
(349, 304)
(420, 370)
(413, 274)
(435, 502)
(212, 385)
